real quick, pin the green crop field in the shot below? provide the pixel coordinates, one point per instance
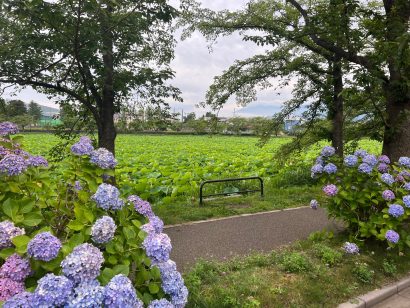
(163, 168)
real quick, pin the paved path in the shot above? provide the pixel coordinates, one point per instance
(240, 235)
(400, 300)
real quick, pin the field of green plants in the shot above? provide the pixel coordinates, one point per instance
(163, 168)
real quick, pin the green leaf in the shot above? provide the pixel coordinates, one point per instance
(121, 269)
(153, 288)
(10, 208)
(76, 225)
(32, 219)
(21, 242)
(129, 233)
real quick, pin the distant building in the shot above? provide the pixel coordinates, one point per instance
(291, 123)
(49, 116)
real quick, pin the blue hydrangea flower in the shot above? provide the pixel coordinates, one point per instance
(383, 168)
(350, 160)
(351, 248)
(36, 161)
(392, 236)
(406, 200)
(8, 128)
(405, 173)
(107, 197)
(103, 158)
(77, 186)
(328, 151)
(370, 159)
(155, 225)
(7, 232)
(88, 294)
(360, 153)
(173, 283)
(404, 161)
(20, 300)
(384, 159)
(330, 190)
(15, 268)
(157, 247)
(103, 230)
(365, 168)
(161, 303)
(330, 168)
(13, 164)
(83, 147)
(387, 178)
(44, 246)
(52, 291)
(314, 204)
(396, 210)
(83, 263)
(388, 195)
(141, 206)
(407, 186)
(319, 160)
(120, 293)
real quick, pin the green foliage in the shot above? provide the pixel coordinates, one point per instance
(327, 254)
(362, 272)
(389, 267)
(295, 262)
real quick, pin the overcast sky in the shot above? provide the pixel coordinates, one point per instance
(195, 67)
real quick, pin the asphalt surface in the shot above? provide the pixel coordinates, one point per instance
(241, 235)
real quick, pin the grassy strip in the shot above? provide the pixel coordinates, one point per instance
(310, 273)
(275, 199)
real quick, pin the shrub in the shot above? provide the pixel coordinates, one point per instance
(294, 263)
(389, 267)
(371, 195)
(327, 255)
(71, 240)
(362, 272)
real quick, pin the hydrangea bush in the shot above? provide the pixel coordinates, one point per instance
(370, 194)
(69, 239)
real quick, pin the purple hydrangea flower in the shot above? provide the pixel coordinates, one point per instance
(328, 151)
(406, 200)
(319, 160)
(351, 248)
(107, 197)
(330, 168)
(155, 225)
(388, 195)
(396, 210)
(4, 151)
(404, 161)
(103, 158)
(52, 291)
(83, 263)
(365, 168)
(103, 230)
(44, 246)
(141, 206)
(15, 268)
(350, 160)
(360, 153)
(161, 303)
(20, 300)
(77, 186)
(13, 164)
(7, 232)
(87, 294)
(314, 204)
(37, 161)
(406, 186)
(83, 147)
(384, 159)
(330, 190)
(392, 236)
(157, 247)
(399, 178)
(405, 173)
(9, 288)
(120, 292)
(383, 168)
(8, 128)
(316, 169)
(387, 178)
(173, 283)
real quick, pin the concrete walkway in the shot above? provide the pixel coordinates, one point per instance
(400, 300)
(224, 238)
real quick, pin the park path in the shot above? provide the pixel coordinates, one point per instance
(224, 238)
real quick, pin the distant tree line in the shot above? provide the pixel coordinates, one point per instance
(18, 112)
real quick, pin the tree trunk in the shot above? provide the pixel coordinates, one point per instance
(337, 108)
(106, 127)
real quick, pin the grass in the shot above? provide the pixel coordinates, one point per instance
(310, 273)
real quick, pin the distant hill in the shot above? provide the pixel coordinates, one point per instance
(49, 111)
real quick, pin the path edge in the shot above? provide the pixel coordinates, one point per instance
(378, 295)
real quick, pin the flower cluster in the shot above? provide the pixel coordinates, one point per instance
(161, 303)
(83, 147)
(107, 197)
(155, 225)
(119, 292)
(9, 287)
(87, 294)
(16, 268)
(365, 168)
(22, 299)
(173, 283)
(37, 161)
(13, 164)
(103, 230)
(387, 178)
(396, 210)
(350, 160)
(157, 246)
(103, 158)
(83, 263)
(330, 168)
(52, 291)
(314, 204)
(370, 159)
(406, 200)
(392, 236)
(44, 246)
(330, 190)
(384, 159)
(388, 195)
(328, 151)
(404, 161)
(351, 248)
(8, 128)
(7, 232)
(141, 206)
